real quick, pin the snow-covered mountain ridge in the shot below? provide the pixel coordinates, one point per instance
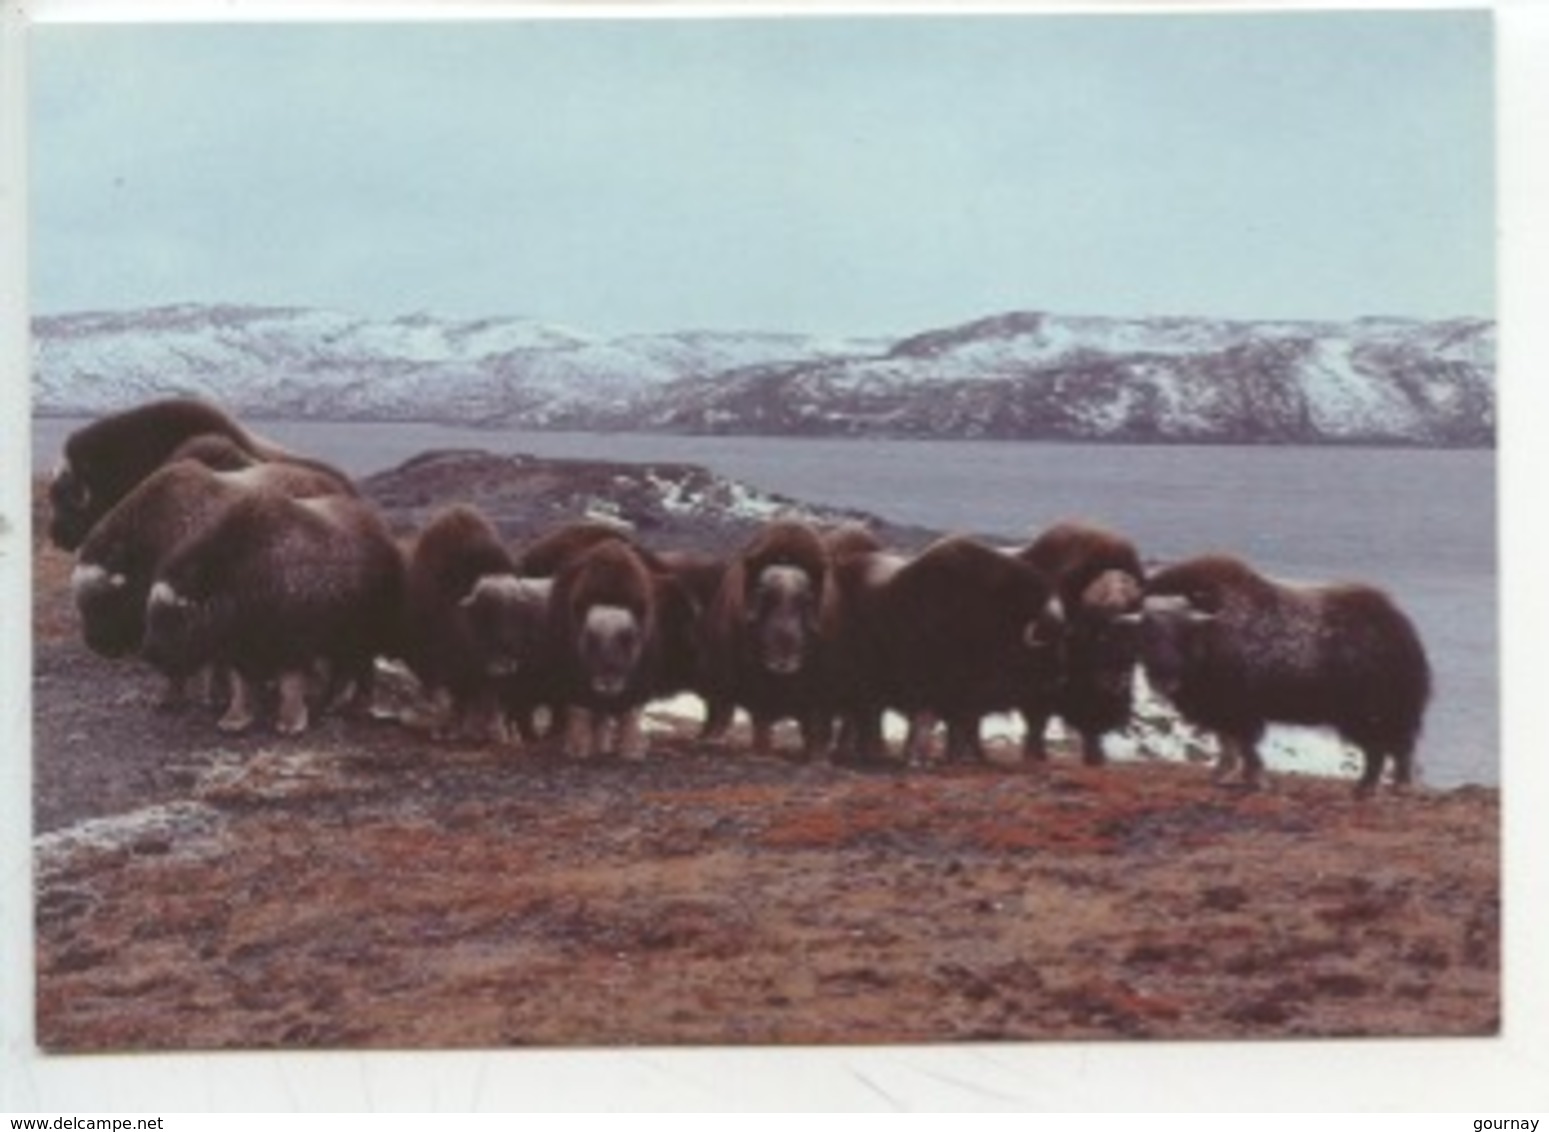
(1018, 375)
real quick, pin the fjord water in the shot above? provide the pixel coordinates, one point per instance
(1419, 523)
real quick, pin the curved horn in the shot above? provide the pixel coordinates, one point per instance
(1175, 605)
(1033, 636)
(163, 594)
(92, 578)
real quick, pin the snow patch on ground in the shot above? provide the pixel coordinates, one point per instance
(186, 828)
(1158, 734)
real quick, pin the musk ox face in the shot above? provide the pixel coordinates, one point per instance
(782, 612)
(71, 510)
(1106, 630)
(111, 608)
(1174, 635)
(610, 649)
(1110, 594)
(505, 616)
(179, 631)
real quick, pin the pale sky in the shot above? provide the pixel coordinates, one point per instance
(854, 175)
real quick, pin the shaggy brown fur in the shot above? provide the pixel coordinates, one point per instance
(961, 631)
(1236, 651)
(472, 627)
(764, 645)
(105, 460)
(1099, 579)
(116, 563)
(275, 587)
(604, 639)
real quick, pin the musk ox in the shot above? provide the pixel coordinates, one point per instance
(605, 642)
(119, 557)
(696, 579)
(273, 588)
(861, 566)
(684, 581)
(1099, 581)
(764, 646)
(105, 460)
(116, 564)
(473, 630)
(959, 632)
(1235, 651)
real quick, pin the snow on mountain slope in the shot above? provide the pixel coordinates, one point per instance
(1023, 374)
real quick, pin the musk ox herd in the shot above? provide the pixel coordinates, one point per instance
(201, 548)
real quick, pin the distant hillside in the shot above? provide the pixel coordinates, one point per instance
(1024, 375)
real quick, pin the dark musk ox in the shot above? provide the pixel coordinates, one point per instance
(1099, 580)
(694, 579)
(764, 646)
(275, 588)
(606, 645)
(473, 630)
(961, 631)
(861, 566)
(121, 555)
(1235, 651)
(105, 460)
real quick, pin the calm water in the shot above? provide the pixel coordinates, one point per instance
(1422, 524)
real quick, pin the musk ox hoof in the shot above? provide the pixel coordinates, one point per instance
(292, 722)
(235, 722)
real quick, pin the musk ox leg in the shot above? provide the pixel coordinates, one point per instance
(1092, 753)
(860, 737)
(917, 741)
(817, 736)
(491, 723)
(963, 740)
(440, 715)
(239, 713)
(525, 717)
(1371, 773)
(487, 719)
(292, 718)
(580, 733)
(1034, 735)
(1228, 756)
(763, 735)
(1240, 750)
(216, 684)
(1376, 754)
(351, 689)
(719, 714)
(1403, 770)
(498, 729)
(632, 742)
(870, 744)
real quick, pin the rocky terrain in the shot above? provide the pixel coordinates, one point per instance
(1023, 375)
(363, 887)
